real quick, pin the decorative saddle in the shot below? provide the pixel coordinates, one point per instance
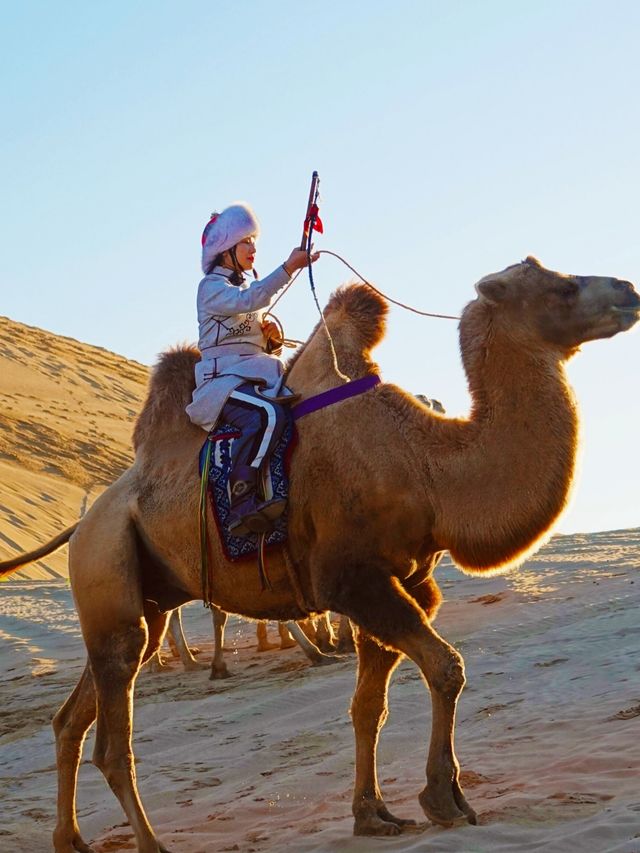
(221, 438)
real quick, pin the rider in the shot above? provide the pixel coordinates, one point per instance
(239, 376)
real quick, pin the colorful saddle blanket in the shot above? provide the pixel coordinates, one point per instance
(222, 436)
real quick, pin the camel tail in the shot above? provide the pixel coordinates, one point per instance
(8, 566)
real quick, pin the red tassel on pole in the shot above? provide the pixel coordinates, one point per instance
(311, 221)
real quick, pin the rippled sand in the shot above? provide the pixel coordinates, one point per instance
(548, 729)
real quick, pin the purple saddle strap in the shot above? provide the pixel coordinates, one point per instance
(335, 395)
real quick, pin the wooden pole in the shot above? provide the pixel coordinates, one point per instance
(312, 195)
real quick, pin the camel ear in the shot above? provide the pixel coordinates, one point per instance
(491, 289)
(533, 262)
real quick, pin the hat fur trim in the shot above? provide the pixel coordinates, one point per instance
(225, 229)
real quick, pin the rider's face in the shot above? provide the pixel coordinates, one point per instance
(246, 253)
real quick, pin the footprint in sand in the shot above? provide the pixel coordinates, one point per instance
(627, 713)
(488, 599)
(578, 798)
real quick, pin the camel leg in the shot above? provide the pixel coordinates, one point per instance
(261, 635)
(377, 603)
(116, 655)
(157, 663)
(369, 713)
(346, 643)
(70, 726)
(178, 642)
(218, 666)
(325, 637)
(286, 640)
(314, 654)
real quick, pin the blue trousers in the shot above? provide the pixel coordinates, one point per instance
(260, 421)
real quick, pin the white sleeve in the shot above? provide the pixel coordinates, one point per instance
(217, 296)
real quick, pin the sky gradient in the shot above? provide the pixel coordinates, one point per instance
(452, 139)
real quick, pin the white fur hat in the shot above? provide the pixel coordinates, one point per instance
(226, 229)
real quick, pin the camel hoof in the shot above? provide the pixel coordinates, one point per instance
(463, 805)
(195, 666)
(376, 826)
(446, 814)
(376, 819)
(267, 647)
(221, 672)
(74, 845)
(325, 660)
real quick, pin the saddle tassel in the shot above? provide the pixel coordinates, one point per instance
(205, 558)
(262, 565)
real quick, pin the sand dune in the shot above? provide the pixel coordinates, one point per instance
(66, 414)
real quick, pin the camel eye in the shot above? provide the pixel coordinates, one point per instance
(569, 290)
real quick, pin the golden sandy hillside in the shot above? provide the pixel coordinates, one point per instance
(66, 416)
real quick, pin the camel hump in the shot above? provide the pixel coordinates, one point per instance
(170, 388)
(363, 309)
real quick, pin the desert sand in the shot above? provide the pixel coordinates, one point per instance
(66, 414)
(548, 732)
(549, 723)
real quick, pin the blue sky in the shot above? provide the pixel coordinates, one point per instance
(452, 139)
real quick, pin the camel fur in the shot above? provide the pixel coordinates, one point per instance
(381, 486)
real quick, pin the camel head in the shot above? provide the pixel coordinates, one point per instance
(562, 310)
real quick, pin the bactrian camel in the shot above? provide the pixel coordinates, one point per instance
(380, 488)
(314, 636)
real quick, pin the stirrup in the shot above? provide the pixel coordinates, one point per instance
(245, 525)
(258, 520)
(273, 509)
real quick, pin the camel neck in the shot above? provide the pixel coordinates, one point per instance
(504, 475)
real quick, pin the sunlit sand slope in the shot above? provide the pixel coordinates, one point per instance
(66, 414)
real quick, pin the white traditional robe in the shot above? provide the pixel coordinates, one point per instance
(232, 343)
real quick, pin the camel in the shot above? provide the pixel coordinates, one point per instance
(380, 487)
(314, 636)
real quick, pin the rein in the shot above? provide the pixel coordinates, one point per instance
(384, 295)
(291, 342)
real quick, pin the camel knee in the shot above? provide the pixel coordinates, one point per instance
(67, 731)
(448, 676)
(113, 764)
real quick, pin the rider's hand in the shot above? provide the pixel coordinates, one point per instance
(272, 337)
(298, 259)
(270, 329)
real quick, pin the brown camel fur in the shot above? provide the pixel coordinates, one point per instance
(380, 487)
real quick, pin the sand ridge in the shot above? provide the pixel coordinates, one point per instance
(66, 416)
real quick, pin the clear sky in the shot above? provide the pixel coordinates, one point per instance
(452, 138)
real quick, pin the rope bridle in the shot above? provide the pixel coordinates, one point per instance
(292, 342)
